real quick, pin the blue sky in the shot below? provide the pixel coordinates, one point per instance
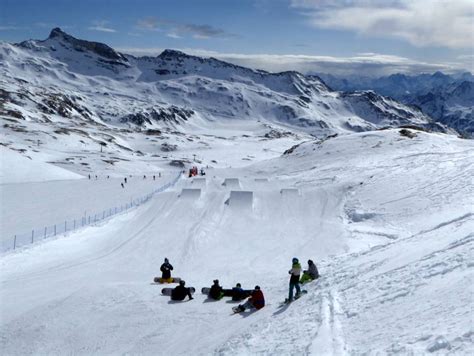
(393, 35)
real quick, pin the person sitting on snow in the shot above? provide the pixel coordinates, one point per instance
(310, 274)
(166, 269)
(216, 291)
(256, 301)
(238, 293)
(180, 292)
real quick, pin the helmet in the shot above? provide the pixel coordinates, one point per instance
(257, 288)
(238, 285)
(216, 281)
(166, 260)
(295, 260)
(182, 283)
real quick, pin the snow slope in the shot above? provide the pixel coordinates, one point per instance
(388, 219)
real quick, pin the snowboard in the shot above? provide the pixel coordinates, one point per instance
(164, 280)
(167, 291)
(227, 292)
(287, 301)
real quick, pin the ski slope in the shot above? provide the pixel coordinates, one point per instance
(387, 219)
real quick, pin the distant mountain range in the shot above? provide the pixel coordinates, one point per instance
(448, 99)
(79, 92)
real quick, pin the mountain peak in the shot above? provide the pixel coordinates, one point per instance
(57, 32)
(172, 53)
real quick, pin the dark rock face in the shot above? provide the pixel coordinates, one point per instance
(172, 114)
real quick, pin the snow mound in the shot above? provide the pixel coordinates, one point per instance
(190, 193)
(199, 182)
(16, 168)
(289, 192)
(261, 180)
(240, 199)
(232, 183)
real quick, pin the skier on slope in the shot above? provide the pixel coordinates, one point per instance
(216, 291)
(310, 274)
(166, 269)
(256, 301)
(180, 292)
(294, 279)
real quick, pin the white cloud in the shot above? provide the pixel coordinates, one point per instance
(366, 64)
(101, 26)
(443, 23)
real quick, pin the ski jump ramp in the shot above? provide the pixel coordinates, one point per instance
(290, 192)
(190, 193)
(261, 180)
(232, 183)
(240, 199)
(199, 182)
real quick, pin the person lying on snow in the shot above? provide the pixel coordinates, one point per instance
(310, 274)
(256, 301)
(166, 269)
(216, 291)
(180, 292)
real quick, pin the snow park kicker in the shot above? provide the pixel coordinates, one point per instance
(232, 183)
(240, 199)
(190, 193)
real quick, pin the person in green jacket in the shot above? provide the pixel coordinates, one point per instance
(310, 274)
(295, 272)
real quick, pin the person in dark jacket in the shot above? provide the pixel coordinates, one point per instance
(256, 301)
(295, 272)
(310, 274)
(166, 269)
(238, 293)
(180, 292)
(216, 291)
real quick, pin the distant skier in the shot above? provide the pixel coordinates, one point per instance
(89, 176)
(154, 177)
(166, 269)
(256, 301)
(180, 292)
(294, 279)
(144, 177)
(216, 291)
(159, 175)
(125, 179)
(122, 185)
(238, 293)
(202, 172)
(310, 274)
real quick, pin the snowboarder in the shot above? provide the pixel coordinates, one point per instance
(216, 291)
(202, 172)
(310, 274)
(89, 176)
(238, 293)
(122, 185)
(166, 269)
(256, 301)
(125, 179)
(154, 177)
(294, 279)
(180, 292)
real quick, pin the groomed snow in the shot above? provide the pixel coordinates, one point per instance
(387, 219)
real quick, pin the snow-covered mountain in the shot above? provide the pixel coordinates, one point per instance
(87, 92)
(449, 99)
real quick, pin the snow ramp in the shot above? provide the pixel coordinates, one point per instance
(290, 192)
(261, 180)
(190, 193)
(232, 183)
(199, 182)
(240, 199)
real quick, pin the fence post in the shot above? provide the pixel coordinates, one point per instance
(65, 225)
(103, 215)
(14, 242)
(74, 228)
(54, 229)
(32, 235)
(45, 229)
(89, 219)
